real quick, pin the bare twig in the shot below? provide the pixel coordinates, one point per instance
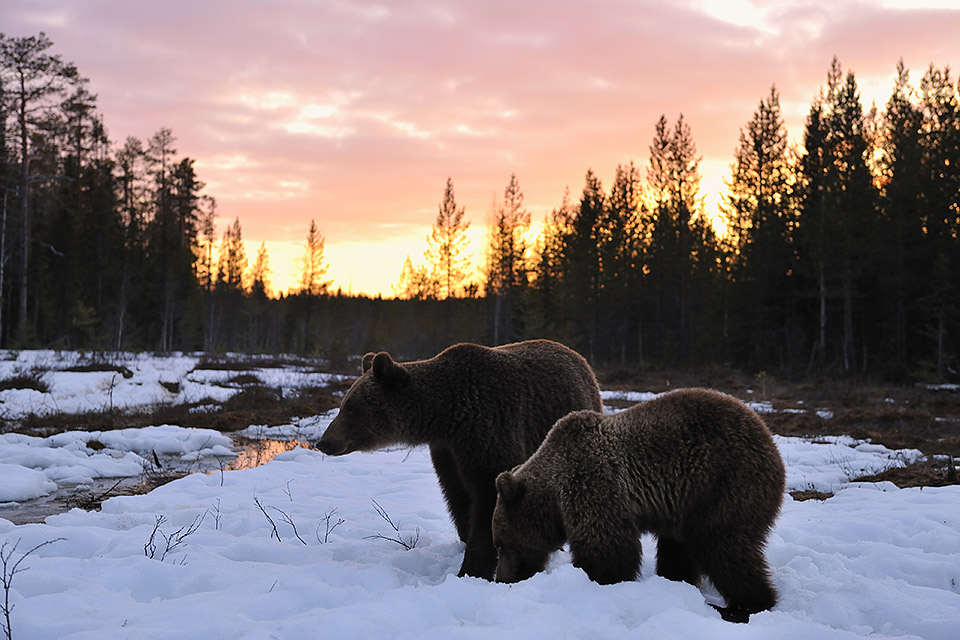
(266, 515)
(172, 541)
(176, 538)
(408, 544)
(284, 517)
(11, 569)
(150, 548)
(327, 518)
(216, 514)
(222, 466)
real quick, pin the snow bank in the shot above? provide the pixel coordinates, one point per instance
(79, 457)
(829, 463)
(21, 483)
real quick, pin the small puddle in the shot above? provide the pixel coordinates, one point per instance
(253, 453)
(250, 453)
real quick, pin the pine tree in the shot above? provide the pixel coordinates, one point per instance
(673, 179)
(507, 268)
(901, 184)
(549, 274)
(940, 215)
(838, 211)
(313, 268)
(34, 82)
(582, 266)
(761, 218)
(416, 283)
(447, 247)
(258, 303)
(622, 252)
(260, 273)
(232, 263)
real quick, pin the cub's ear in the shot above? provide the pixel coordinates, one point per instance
(509, 487)
(367, 362)
(388, 373)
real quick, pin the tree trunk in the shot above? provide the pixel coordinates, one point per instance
(25, 219)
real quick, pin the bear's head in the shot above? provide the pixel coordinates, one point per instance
(371, 415)
(527, 527)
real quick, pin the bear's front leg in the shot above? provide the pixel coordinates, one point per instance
(608, 561)
(480, 556)
(451, 484)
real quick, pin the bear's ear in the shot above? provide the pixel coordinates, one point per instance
(388, 373)
(509, 487)
(367, 362)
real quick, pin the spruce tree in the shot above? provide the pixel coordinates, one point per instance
(507, 266)
(446, 254)
(582, 264)
(34, 82)
(901, 183)
(761, 218)
(313, 267)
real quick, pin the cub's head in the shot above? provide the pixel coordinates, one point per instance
(526, 527)
(370, 414)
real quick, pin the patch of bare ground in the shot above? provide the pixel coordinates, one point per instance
(810, 494)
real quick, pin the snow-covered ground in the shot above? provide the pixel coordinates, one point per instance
(297, 549)
(153, 380)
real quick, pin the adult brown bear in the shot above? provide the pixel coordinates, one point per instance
(481, 410)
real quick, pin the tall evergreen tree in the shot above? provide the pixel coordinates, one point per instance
(258, 303)
(837, 214)
(447, 246)
(940, 139)
(582, 266)
(313, 266)
(673, 179)
(507, 267)
(901, 189)
(549, 312)
(622, 254)
(34, 81)
(760, 214)
(416, 283)
(232, 258)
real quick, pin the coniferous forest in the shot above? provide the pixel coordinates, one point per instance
(838, 255)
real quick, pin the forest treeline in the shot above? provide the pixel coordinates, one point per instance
(835, 256)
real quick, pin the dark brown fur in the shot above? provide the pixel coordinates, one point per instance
(695, 467)
(481, 410)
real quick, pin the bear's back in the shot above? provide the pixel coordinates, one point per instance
(535, 382)
(704, 436)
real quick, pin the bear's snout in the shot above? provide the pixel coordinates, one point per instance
(331, 446)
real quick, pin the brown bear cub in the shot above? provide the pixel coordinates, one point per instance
(481, 410)
(695, 467)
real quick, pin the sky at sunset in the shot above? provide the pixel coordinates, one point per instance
(355, 113)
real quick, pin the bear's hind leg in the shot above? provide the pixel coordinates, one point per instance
(674, 561)
(740, 573)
